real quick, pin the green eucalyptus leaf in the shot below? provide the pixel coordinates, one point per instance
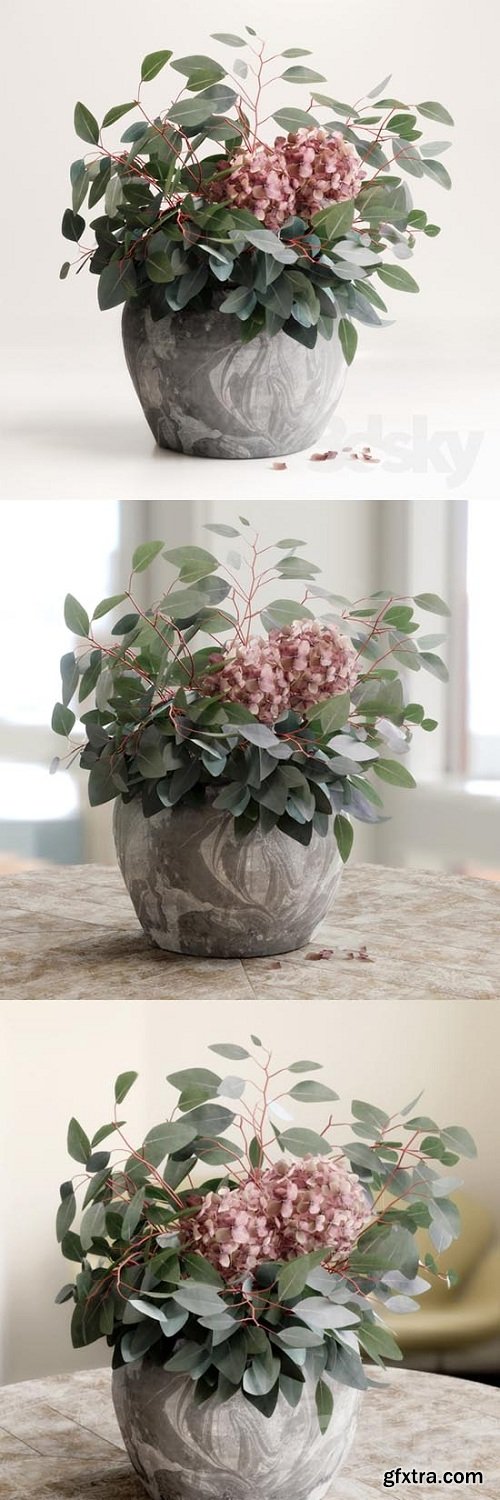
(348, 339)
(65, 1216)
(199, 1298)
(230, 1050)
(433, 603)
(267, 241)
(379, 1343)
(196, 63)
(321, 1313)
(330, 714)
(240, 301)
(63, 719)
(116, 113)
(193, 562)
(222, 530)
(344, 834)
(393, 772)
(78, 1142)
(445, 1223)
(397, 277)
(333, 223)
(310, 1092)
(434, 111)
(324, 1405)
(167, 1138)
(133, 1214)
(189, 1077)
(299, 1338)
(145, 554)
(302, 75)
(294, 119)
(228, 38)
(116, 282)
(200, 108)
(209, 1119)
(304, 1067)
(86, 125)
(72, 227)
(434, 665)
(101, 787)
(93, 1224)
(153, 64)
(261, 1375)
(455, 1138)
(301, 1142)
(437, 172)
(283, 612)
(123, 1085)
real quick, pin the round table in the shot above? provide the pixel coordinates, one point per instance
(59, 1439)
(70, 933)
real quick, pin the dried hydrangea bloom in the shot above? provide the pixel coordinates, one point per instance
(299, 174)
(252, 675)
(257, 180)
(292, 668)
(322, 169)
(317, 661)
(280, 1213)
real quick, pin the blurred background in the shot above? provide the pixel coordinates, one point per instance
(448, 1050)
(451, 822)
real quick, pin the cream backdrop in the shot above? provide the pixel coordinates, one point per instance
(59, 1060)
(55, 54)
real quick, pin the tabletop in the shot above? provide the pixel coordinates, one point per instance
(59, 1439)
(430, 424)
(70, 933)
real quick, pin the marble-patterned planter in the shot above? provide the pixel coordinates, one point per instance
(229, 1451)
(206, 393)
(199, 890)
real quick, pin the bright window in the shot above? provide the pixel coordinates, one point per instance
(483, 690)
(48, 550)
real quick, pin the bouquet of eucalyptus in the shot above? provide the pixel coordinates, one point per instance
(290, 725)
(261, 1271)
(197, 206)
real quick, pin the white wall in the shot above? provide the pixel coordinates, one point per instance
(55, 55)
(59, 1060)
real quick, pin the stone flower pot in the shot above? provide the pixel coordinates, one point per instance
(199, 890)
(206, 393)
(228, 1451)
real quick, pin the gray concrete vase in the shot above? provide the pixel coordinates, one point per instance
(206, 393)
(199, 890)
(228, 1451)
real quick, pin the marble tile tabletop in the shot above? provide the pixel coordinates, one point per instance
(70, 933)
(59, 1439)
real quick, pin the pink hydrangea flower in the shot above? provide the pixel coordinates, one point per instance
(280, 1213)
(317, 661)
(322, 169)
(258, 180)
(292, 668)
(252, 675)
(299, 174)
